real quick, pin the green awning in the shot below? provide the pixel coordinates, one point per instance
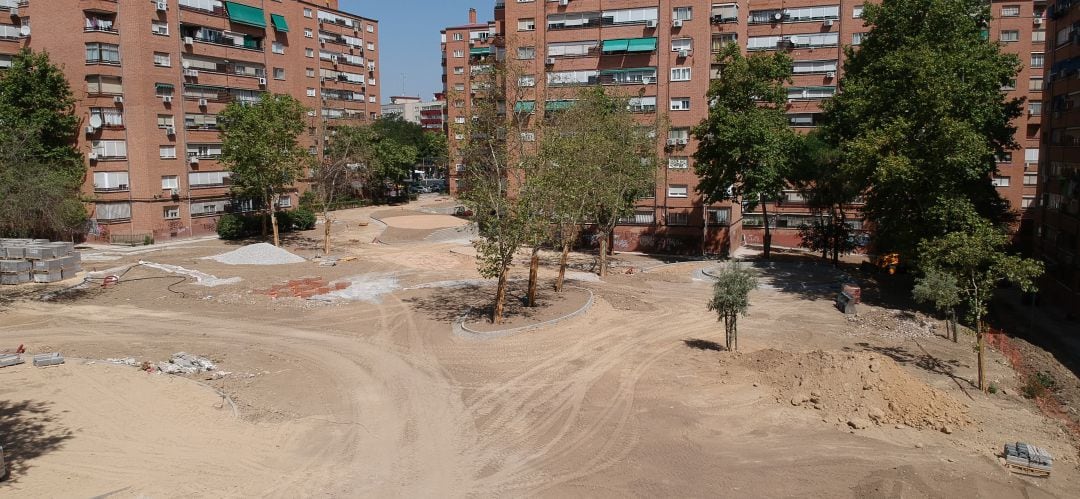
(164, 85)
(617, 45)
(524, 106)
(641, 45)
(558, 105)
(245, 14)
(279, 23)
(480, 51)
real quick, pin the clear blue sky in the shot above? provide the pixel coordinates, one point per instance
(409, 39)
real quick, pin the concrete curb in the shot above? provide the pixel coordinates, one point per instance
(664, 265)
(461, 329)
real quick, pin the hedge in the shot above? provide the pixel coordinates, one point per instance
(232, 226)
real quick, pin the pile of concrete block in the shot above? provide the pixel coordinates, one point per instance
(48, 359)
(10, 359)
(1028, 459)
(37, 260)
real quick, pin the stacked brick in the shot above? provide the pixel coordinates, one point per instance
(37, 260)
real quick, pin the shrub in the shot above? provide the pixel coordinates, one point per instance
(1039, 385)
(307, 200)
(232, 227)
(303, 219)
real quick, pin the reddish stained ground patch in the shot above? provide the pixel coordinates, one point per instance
(304, 287)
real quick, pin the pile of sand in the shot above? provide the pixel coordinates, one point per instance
(860, 388)
(257, 254)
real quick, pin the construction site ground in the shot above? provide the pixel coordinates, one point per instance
(370, 392)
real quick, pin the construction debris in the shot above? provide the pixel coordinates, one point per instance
(37, 260)
(1025, 458)
(10, 359)
(48, 359)
(185, 363)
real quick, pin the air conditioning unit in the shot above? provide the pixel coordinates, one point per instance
(194, 160)
(167, 99)
(189, 40)
(122, 187)
(682, 142)
(828, 23)
(564, 2)
(779, 16)
(651, 23)
(830, 75)
(646, 80)
(684, 52)
(191, 73)
(262, 82)
(90, 130)
(92, 156)
(676, 23)
(162, 6)
(14, 12)
(170, 131)
(550, 61)
(1038, 21)
(118, 100)
(202, 102)
(672, 142)
(174, 192)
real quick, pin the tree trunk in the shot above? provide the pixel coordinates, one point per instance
(727, 332)
(767, 241)
(562, 265)
(534, 267)
(273, 222)
(265, 225)
(500, 298)
(979, 340)
(952, 324)
(734, 333)
(326, 232)
(603, 255)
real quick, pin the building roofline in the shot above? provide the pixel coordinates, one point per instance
(339, 11)
(467, 26)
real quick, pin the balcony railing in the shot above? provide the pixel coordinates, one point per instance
(119, 188)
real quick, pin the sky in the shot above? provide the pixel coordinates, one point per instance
(409, 39)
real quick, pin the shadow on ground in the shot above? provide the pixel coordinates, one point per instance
(28, 431)
(703, 345)
(925, 361)
(448, 304)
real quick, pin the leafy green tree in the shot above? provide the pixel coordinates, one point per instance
(731, 298)
(41, 170)
(943, 291)
(260, 146)
(921, 117)
(977, 262)
(745, 145)
(828, 192)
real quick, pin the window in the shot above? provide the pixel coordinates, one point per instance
(802, 119)
(102, 53)
(857, 38)
(277, 48)
(680, 103)
(370, 46)
(159, 28)
(112, 211)
(1009, 35)
(284, 202)
(311, 92)
(803, 14)
(371, 28)
(678, 217)
(167, 152)
(458, 70)
(856, 12)
(459, 87)
(308, 33)
(678, 162)
(680, 74)
(640, 217)
(1009, 85)
(721, 39)
(1005, 157)
(459, 54)
(679, 135)
(526, 53)
(677, 191)
(162, 59)
(165, 121)
(309, 72)
(527, 81)
(1000, 181)
(279, 73)
(719, 216)
(1036, 84)
(460, 120)
(109, 149)
(1037, 59)
(1031, 179)
(583, 77)
(804, 67)
(1035, 108)
(307, 12)
(810, 92)
(528, 137)
(571, 49)
(1038, 35)
(170, 182)
(170, 212)
(1010, 11)
(1027, 201)
(208, 151)
(1031, 155)
(163, 90)
(683, 13)
(678, 44)
(207, 179)
(309, 53)
(642, 104)
(107, 116)
(458, 37)
(528, 24)
(108, 85)
(110, 181)
(203, 208)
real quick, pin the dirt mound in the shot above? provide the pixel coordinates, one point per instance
(860, 388)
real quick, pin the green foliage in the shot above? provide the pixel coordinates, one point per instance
(234, 226)
(1039, 385)
(260, 146)
(302, 219)
(993, 388)
(41, 171)
(939, 288)
(308, 200)
(731, 298)
(921, 117)
(371, 155)
(430, 146)
(231, 227)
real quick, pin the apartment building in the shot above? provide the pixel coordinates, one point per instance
(407, 107)
(150, 78)
(1057, 236)
(466, 50)
(662, 52)
(433, 114)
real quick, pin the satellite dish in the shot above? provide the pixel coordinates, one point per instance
(24, 31)
(95, 121)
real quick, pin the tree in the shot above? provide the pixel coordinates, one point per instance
(41, 170)
(943, 291)
(260, 147)
(745, 145)
(731, 298)
(828, 192)
(977, 262)
(335, 175)
(921, 116)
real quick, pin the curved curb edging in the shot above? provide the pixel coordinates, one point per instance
(460, 329)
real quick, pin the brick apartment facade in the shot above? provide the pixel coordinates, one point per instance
(1057, 236)
(150, 77)
(664, 50)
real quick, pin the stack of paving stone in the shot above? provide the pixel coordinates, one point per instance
(37, 260)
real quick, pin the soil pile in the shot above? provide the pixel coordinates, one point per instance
(859, 388)
(258, 254)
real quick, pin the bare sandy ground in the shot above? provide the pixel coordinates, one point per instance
(424, 221)
(381, 399)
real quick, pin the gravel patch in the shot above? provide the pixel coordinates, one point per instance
(257, 254)
(365, 287)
